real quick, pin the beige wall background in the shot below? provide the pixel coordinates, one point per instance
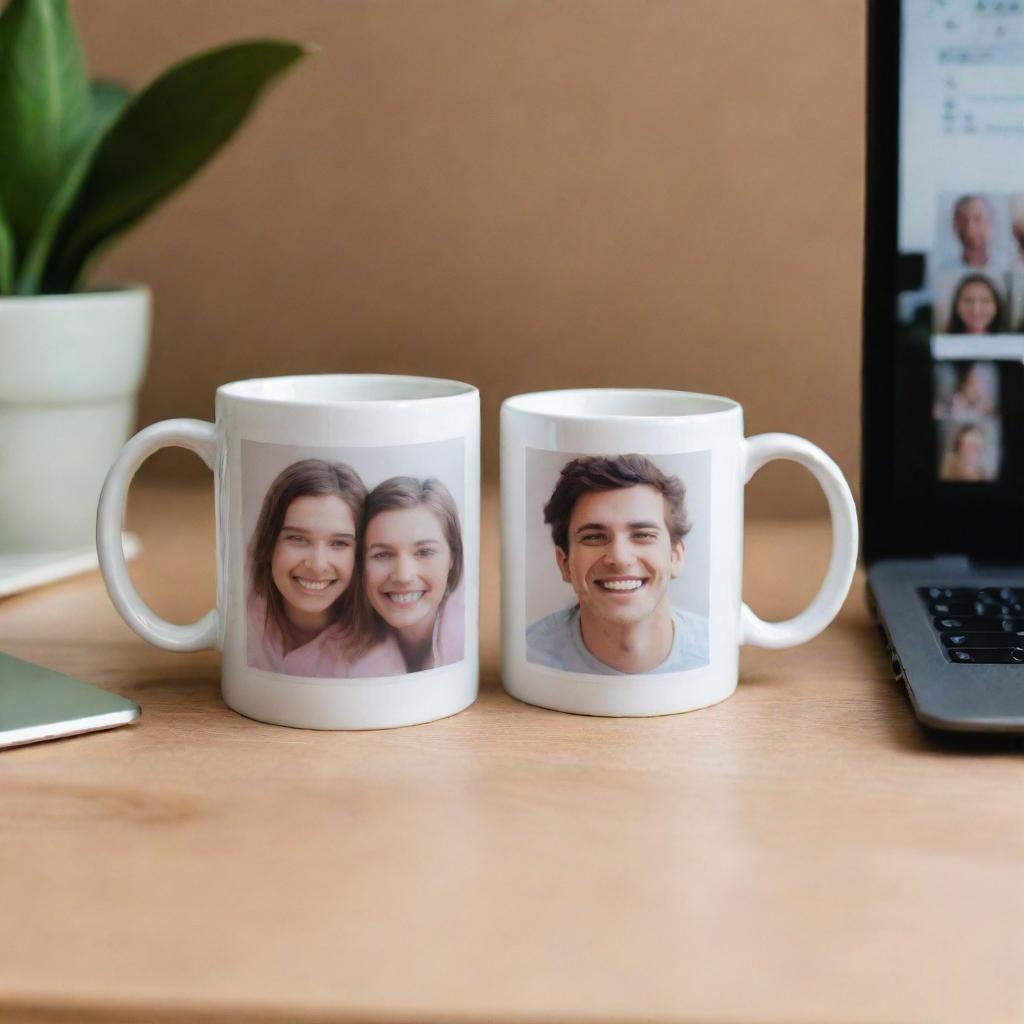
(523, 194)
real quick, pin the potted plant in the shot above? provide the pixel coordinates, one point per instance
(80, 163)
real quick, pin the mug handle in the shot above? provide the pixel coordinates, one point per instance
(199, 437)
(822, 610)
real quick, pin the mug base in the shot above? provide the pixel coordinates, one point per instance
(353, 704)
(606, 697)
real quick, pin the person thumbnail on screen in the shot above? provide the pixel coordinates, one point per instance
(972, 233)
(971, 304)
(970, 452)
(966, 391)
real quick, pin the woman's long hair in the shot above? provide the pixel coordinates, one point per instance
(308, 478)
(956, 323)
(952, 467)
(401, 492)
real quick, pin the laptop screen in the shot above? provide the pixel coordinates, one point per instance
(960, 294)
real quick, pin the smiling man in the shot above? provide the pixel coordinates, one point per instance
(618, 526)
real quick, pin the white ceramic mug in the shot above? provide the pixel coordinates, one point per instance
(348, 512)
(622, 549)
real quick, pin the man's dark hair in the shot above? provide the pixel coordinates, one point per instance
(591, 473)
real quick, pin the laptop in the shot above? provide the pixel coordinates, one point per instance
(943, 356)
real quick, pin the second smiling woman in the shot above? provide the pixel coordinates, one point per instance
(411, 545)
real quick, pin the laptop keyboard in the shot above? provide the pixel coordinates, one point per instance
(978, 626)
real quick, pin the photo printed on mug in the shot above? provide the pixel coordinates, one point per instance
(618, 550)
(354, 558)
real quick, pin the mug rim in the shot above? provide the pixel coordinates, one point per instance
(550, 404)
(434, 389)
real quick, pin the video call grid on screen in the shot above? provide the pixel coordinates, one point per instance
(545, 590)
(961, 214)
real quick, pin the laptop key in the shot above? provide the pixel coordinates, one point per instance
(964, 601)
(970, 640)
(948, 593)
(984, 608)
(959, 608)
(977, 608)
(979, 624)
(987, 656)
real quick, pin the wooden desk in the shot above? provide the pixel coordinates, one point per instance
(802, 852)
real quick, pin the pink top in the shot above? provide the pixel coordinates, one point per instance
(450, 629)
(323, 657)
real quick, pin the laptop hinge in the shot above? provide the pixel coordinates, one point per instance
(952, 561)
(988, 565)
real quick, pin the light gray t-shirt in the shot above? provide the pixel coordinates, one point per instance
(557, 641)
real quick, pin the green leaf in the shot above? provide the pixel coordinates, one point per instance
(161, 138)
(108, 100)
(7, 250)
(44, 107)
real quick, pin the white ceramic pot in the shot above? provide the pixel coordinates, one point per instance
(70, 370)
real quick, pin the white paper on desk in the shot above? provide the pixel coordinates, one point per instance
(23, 572)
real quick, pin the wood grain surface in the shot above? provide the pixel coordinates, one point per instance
(802, 852)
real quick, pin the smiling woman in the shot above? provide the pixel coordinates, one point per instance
(412, 575)
(302, 561)
(977, 307)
